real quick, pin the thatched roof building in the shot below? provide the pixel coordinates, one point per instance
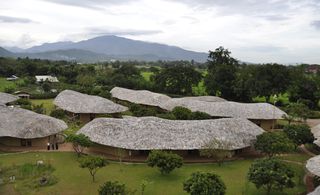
(76, 102)
(259, 111)
(144, 97)
(313, 165)
(7, 98)
(151, 133)
(25, 124)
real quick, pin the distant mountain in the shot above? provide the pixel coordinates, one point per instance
(110, 47)
(5, 53)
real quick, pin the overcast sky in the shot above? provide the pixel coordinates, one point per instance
(283, 31)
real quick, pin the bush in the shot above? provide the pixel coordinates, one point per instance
(204, 184)
(49, 95)
(299, 134)
(58, 113)
(182, 113)
(200, 116)
(39, 109)
(271, 174)
(9, 89)
(138, 110)
(165, 161)
(112, 188)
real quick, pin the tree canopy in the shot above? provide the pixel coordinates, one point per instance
(165, 161)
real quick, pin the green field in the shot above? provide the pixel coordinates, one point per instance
(47, 104)
(4, 84)
(73, 180)
(147, 75)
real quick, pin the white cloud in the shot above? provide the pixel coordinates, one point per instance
(257, 31)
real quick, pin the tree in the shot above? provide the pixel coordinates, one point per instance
(112, 188)
(299, 134)
(271, 174)
(272, 143)
(297, 111)
(93, 164)
(222, 70)
(204, 184)
(215, 149)
(79, 142)
(165, 161)
(46, 86)
(177, 79)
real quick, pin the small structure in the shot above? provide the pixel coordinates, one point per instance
(22, 94)
(143, 97)
(86, 106)
(20, 128)
(6, 98)
(12, 78)
(139, 135)
(49, 78)
(313, 167)
(263, 114)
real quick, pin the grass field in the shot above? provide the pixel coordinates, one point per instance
(73, 180)
(47, 104)
(4, 83)
(147, 75)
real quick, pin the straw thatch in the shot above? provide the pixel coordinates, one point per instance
(313, 165)
(316, 133)
(149, 133)
(263, 111)
(205, 98)
(7, 98)
(315, 192)
(144, 97)
(76, 102)
(21, 123)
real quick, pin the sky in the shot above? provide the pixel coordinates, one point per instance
(259, 31)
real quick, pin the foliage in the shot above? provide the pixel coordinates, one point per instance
(112, 188)
(39, 109)
(299, 133)
(204, 184)
(79, 142)
(297, 111)
(271, 174)
(165, 161)
(57, 113)
(213, 150)
(272, 143)
(139, 110)
(182, 113)
(93, 164)
(9, 89)
(221, 76)
(177, 79)
(200, 116)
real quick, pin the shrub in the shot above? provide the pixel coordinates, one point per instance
(200, 116)
(138, 110)
(165, 161)
(9, 89)
(182, 113)
(204, 184)
(112, 188)
(58, 113)
(299, 134)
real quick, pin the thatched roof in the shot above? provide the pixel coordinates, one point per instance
(313, 165)
(148, 133)
(21, 123)
(7, 98)
(144, 97)
(228, 109)
(76, 102)
(316, 133)
(315, 192)
(205, 98)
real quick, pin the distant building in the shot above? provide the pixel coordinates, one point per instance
(42, 78)
(22, 94)
(12, 78)
(313, 68)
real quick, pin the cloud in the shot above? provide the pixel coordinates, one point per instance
(91, 4)
(263, 48)
(9, 19)
(316, 24)
(99, 31)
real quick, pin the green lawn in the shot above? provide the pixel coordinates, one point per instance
(77, 181)
(47, 104)
(4, 84)
(147, 75)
